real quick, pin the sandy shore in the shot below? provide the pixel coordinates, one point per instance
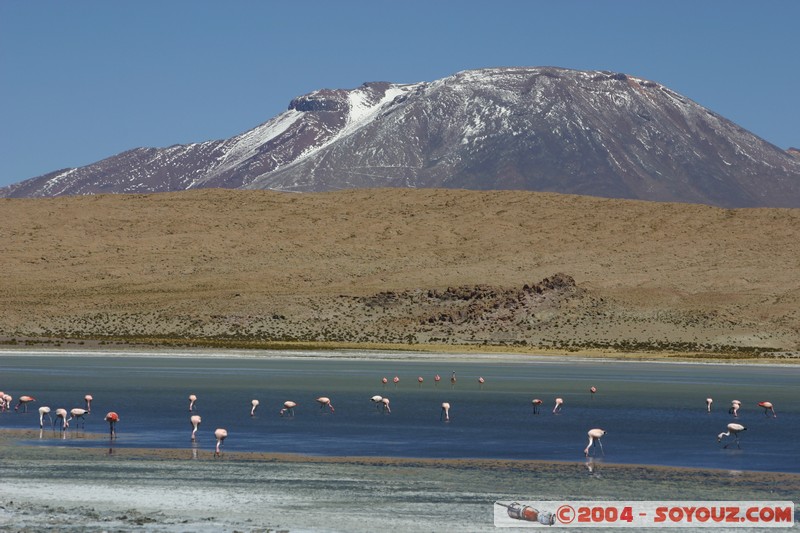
(97, 489)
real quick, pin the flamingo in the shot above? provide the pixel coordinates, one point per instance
(557, 408)
(192, 399)
(593, 390)
(594, 438)
(254, 403)
(481, 381)
(437, 378)
(325, 402)
(88, 399)
(536, 402)
(386, 409)
(767, 408)
(445, 412)
(44, 410)
(384, 381)
(733, 429)
(112, 418)
(2, 401)
(395, 380)
(288, 407)
(24, 401)
(78, 413)
(195, 421)
(420, 380)
(62, 414)
(221, 435)
(709, 401)
(453, 379)
(7, 399)
(734, 410)
(377, 400)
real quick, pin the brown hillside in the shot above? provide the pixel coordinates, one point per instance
(401, 265)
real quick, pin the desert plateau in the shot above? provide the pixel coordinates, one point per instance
(508, 270)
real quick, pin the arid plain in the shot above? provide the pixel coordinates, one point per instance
(393, 267)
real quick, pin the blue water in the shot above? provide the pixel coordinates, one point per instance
(654, 413)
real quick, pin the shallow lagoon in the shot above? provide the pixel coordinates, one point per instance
(654, 412)
(154, 479)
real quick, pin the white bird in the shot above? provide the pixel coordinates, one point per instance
(44, 410)
(709, 401)
(195, 421)
(733, 429)
(221, 435)
(559, 403)
(445, 411)
(254, 403)
(62, 414)
(288, 407)
(78, 413)
(594, 438)
(324, 402)
(377, 401)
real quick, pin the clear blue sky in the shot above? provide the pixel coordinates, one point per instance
(81, 81)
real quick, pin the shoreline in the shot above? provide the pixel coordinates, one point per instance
(19, 436)
(326, 350)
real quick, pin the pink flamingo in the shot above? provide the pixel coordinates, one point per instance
(734, 410)
(536, 402)
(24, 401)
(385, 402)
(395, 380)
(112, 418)
(288, 407)
(195, 421)
(481, 381)
(384, 381)
(420, 380)
(44, 410)
(192, 399)
(7, 399)
(445, 412)
(709, 401)
(88, 399)
(557, 408)
(325, 402)
(594, 438)
(62, 414)
(78, 413)
(221, 434)
(436, 379)
(733, 429)
(3, 406)
(593, 390)
(767, 408)
(254, 403)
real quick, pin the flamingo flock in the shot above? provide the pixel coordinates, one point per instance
(595, 435)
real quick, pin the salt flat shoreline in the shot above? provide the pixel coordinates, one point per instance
(382, 354)
(132, 489)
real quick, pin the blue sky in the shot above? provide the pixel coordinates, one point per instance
(81, 81)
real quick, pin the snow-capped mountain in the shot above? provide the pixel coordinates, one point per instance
(543, 129)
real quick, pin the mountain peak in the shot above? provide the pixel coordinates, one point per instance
(596, 133)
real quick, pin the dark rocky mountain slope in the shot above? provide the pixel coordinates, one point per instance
(539, 129)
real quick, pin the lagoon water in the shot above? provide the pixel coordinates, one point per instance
(654, 413)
